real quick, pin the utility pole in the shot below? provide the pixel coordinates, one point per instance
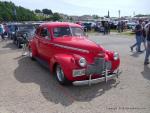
(15, 14)
(108, 14)
(133, 13)
(119, 13)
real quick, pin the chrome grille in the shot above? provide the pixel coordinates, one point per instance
(96, 68)
(108, 65)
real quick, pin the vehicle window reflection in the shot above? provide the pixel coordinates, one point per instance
(45, 33)
(62, 31)
(67, 31)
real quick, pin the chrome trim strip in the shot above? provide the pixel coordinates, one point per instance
(68, 47)
(72, 48)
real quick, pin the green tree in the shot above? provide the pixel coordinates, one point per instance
(47, 11)
(10, 12)
(95, 16)
(38, 11)
(56, 17)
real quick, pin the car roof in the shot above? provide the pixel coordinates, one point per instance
(59, 24)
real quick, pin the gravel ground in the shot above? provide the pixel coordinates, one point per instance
(28, 87)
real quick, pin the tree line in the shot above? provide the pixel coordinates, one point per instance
(10, 12)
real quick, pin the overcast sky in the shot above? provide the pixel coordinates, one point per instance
(90, 7)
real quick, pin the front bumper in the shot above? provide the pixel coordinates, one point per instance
(98, 80)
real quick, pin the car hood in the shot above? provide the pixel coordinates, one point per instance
(79, 43)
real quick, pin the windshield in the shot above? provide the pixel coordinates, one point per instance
(68, 31)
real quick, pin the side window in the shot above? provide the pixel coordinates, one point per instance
(45, 33)
(61, 31)
(37, 31)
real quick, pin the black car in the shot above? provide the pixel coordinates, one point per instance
(84, 27)
(99, 27)
(87, 26)
(23, 34)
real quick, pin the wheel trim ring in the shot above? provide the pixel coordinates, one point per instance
(59, 73)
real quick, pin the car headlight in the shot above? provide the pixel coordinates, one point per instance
(82, 62)
(116, 56)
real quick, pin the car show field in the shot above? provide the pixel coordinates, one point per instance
(28, 87)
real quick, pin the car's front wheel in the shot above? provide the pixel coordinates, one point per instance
(60, 76)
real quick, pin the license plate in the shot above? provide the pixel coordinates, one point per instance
(79, 72)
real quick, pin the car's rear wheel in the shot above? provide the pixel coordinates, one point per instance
(31, 54)
(60, 76)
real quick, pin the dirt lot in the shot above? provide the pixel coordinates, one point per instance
(28, 87)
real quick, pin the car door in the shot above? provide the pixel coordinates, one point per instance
(45, 44)
(38, 40)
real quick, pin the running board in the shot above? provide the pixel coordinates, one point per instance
(42, 62)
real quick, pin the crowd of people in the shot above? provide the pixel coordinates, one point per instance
(142, 35)
(120, 26)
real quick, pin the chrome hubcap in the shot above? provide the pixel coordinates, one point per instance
(59, 73)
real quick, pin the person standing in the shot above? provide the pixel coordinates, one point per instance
(109, 26)
(119, 26)
(1, 30)
(138, 33)
(147, 48)
(105, 27)
(122, 26)
(144, 35)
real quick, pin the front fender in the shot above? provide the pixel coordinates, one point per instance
(115, 63)
(67, 63)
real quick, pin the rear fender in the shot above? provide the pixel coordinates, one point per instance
(32, 46)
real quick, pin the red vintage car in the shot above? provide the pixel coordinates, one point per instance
(71, 56)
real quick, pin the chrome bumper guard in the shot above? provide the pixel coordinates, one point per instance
(106, 78)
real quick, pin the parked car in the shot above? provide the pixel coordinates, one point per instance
(87, 26)
(4, 31)
(23, 30)
(11, 30)
(131, 25)
(114, 24)
(26, 37)
(99, 27)
(71, 56)
(84, 27)
(1, 29)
